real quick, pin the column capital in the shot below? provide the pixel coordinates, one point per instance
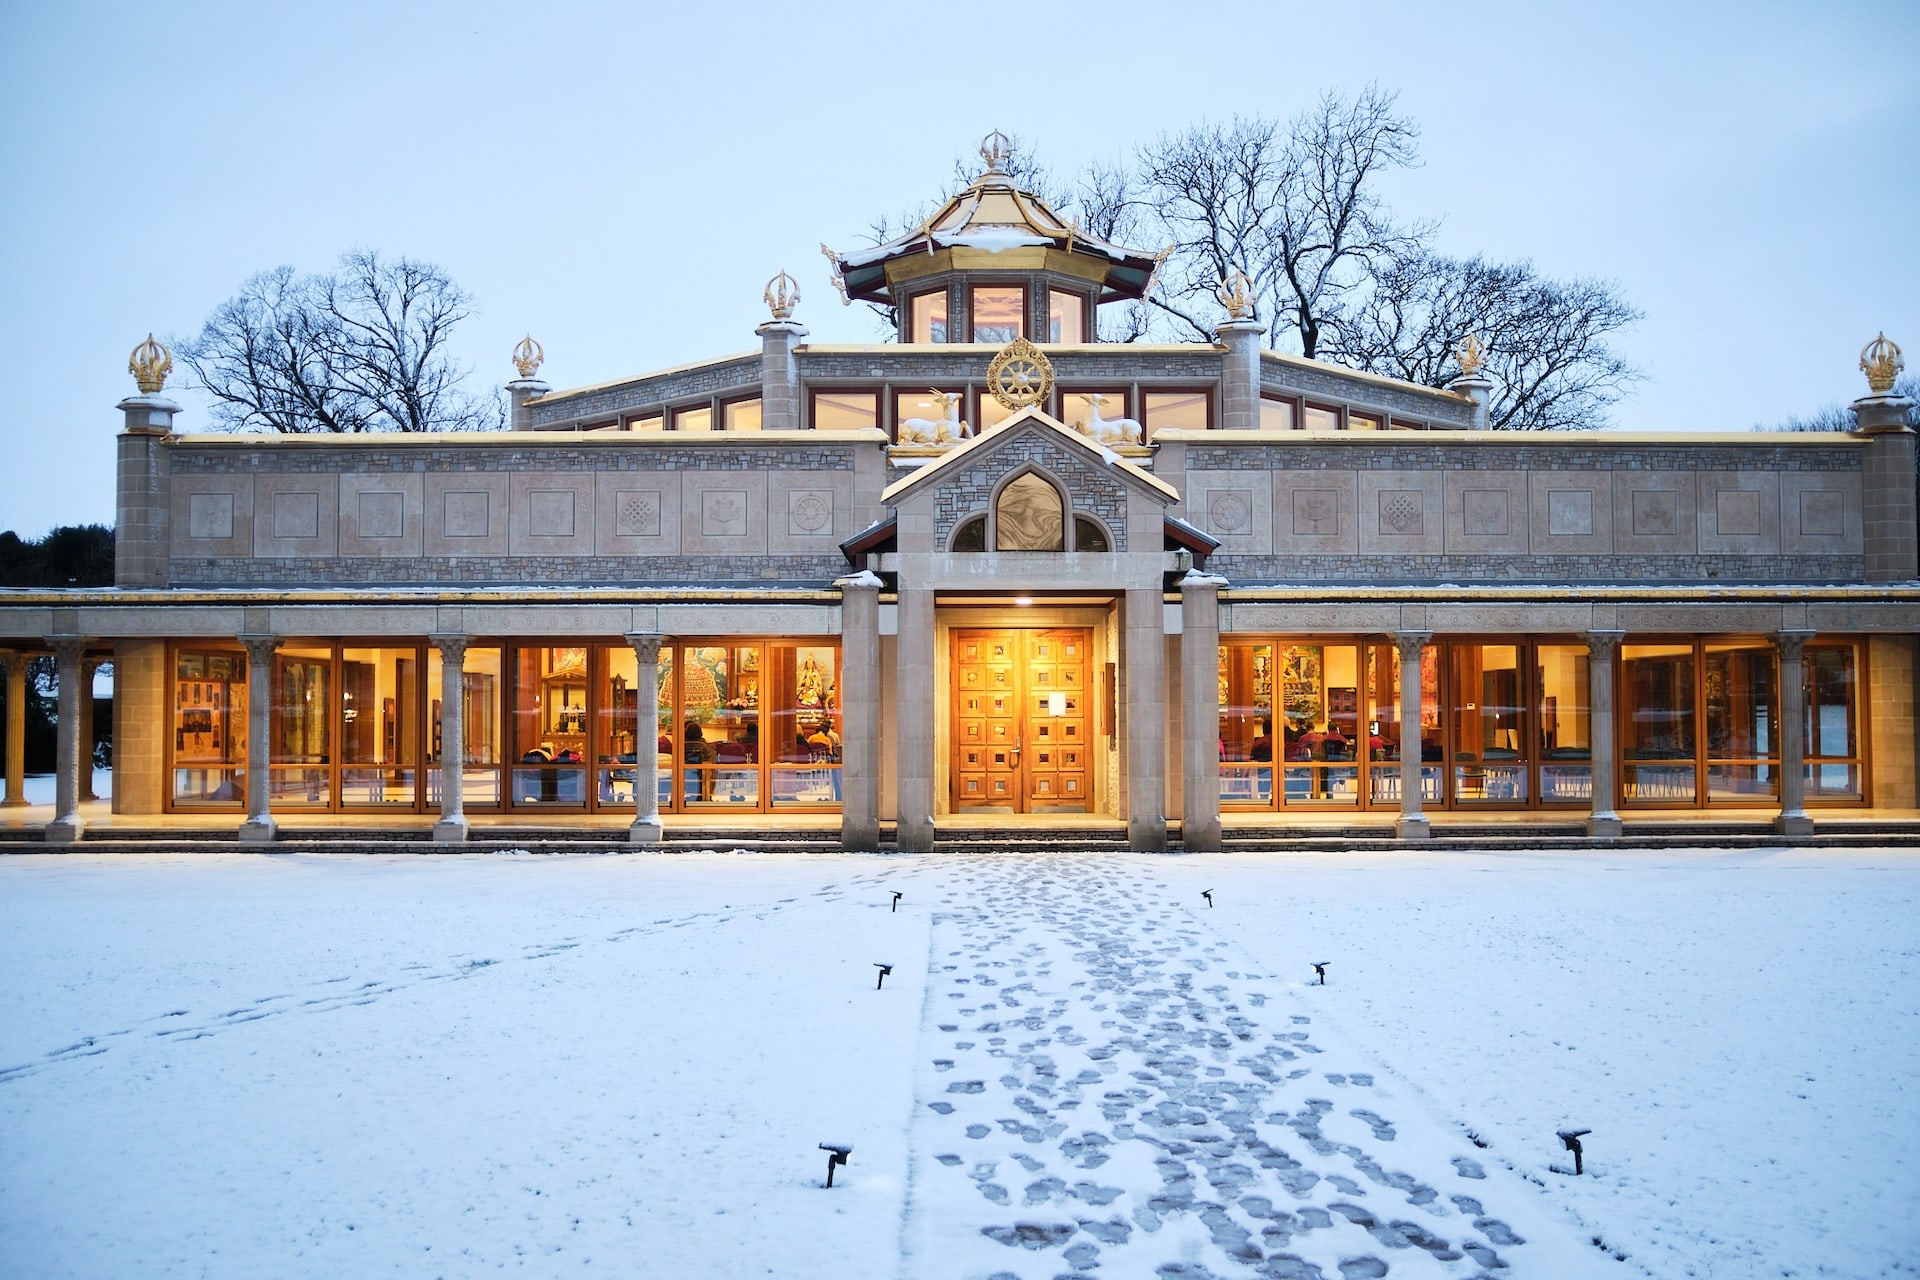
(453, 648)
(1410, 643)
(646, 644)
(1196, 581)
(1604, 642)
(68, 648)
(1791, 642)
(259, 647)
(864, 580)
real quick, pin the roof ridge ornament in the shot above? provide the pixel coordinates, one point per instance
(528, 356)
(1471, 354)
(1235, 292)
(1880, 360)
(782, 296)
(150, 364)
(996, 149)
(1020, 375)
(835, 274)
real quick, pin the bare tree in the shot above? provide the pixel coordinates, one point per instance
(1545, 340)
(1293, 208)
(361, 348)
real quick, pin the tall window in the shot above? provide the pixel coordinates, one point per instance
(1066, 316)
(927, 317)
(1657, 730)
(301, 746)
(379, 726)
(1565, 734)
(1832, 730)
(999, 313)
(1742, 720)
(209, 727)
(1489, 749)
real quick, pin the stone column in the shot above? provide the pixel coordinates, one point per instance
(1479, 393)
(1413, 823)
(15, 666)
(521, 393)
(259, 827)
(860, 712)
(66, 827)
(780, 408)
(913, 721)
(140, 493)
(646, 828)
(88, 667)
(1602, 646)
(1793, 820)
(452, 827)
(1240, 375)
(1200, 712)
(1145, 677)
(1892, 540)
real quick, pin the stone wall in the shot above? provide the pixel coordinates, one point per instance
(1550, 509)
(507, 509)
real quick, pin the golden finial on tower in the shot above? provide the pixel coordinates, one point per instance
(528, 356)
(782, 295)
(996, 149)
(1471, 355)
(1235, 292)
(150, 364)
(1880, 361)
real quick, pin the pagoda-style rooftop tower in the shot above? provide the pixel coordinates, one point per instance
(995, 263)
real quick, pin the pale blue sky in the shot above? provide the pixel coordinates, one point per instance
(620, 180)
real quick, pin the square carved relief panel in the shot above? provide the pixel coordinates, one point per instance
(1402, 512)
(636, 513)
(1484, 513)
(723, 513)
(1316, 512)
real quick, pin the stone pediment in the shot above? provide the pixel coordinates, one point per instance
(1093, 481)
(1033, 438)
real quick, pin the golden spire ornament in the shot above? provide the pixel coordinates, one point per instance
(782, 295)
(1880, 361)
(150, 364)
(1235, 292)
(996, 149)
(528, 356)
(1471, 355)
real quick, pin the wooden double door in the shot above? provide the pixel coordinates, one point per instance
(1022, 720)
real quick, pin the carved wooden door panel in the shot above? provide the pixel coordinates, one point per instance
(1021, 738)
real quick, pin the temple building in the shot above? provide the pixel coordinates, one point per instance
(993, 570)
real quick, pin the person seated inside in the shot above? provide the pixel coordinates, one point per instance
(1376, 746)
(1312, 741)
(1335, 744)
(542, 754)
(800, 752)
(1262, 748)
(665, 747)
(823, 743)
(697, 750)
(1290, 742)
(731, 751)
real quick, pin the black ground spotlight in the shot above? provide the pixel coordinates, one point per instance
(1208, 895)
(836, 1156)
(896, 899)
(1320, 968)
(884, 969)
(1572, 1139)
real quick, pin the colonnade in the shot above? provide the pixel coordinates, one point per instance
(1143, 692)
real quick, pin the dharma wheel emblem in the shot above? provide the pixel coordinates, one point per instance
(1020, 375)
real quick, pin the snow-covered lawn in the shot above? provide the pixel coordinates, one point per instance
(246, 1065)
